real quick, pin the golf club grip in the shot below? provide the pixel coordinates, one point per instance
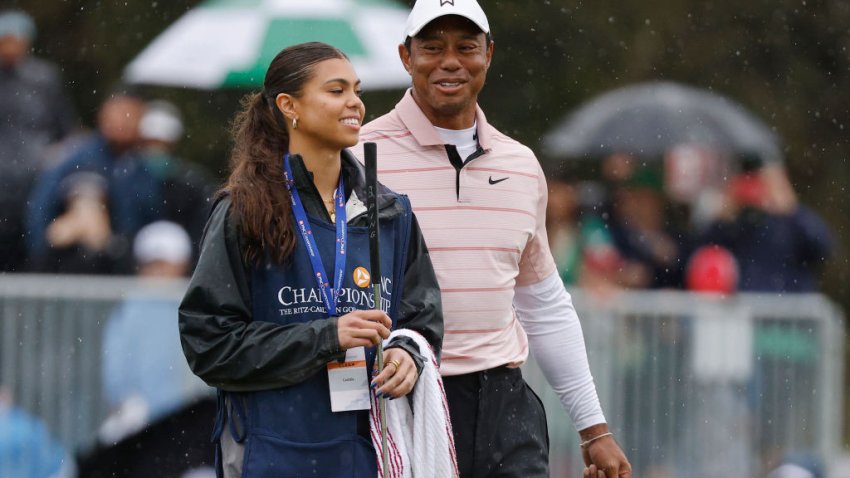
(370, 151)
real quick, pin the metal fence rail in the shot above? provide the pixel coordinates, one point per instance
(51, 330)
(692, 386)
(701, 387)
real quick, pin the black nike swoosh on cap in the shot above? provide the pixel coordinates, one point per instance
(496, 181)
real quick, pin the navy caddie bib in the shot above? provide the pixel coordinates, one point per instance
(291, 431)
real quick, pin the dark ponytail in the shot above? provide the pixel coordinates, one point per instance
(260, 199)
(256, 186)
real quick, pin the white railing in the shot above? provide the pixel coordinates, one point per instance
(692, 386)
(695, 386)
(51, 335)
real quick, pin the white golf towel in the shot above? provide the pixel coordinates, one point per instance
(420, 443)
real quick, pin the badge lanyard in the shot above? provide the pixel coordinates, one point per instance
(329, 296)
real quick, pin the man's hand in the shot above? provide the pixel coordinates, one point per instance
(85, 223)
(603, 456)
(780, 197)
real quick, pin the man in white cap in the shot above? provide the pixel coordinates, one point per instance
(481, 199)
(36, 114)
(33, 102)
(185, 188)
(144, 374)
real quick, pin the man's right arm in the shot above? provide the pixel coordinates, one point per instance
(42, 208)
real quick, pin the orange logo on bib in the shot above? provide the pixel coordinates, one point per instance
(362, 277)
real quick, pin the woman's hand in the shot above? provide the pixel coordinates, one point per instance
(399, 374)
(363, 328)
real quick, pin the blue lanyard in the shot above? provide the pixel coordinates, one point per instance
(329, 296)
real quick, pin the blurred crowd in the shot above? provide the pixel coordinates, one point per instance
(733, 224)
(115, 199)
(724, 224)
(74, 199)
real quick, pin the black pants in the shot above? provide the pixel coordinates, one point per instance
(499, 425)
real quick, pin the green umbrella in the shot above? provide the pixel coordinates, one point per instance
(230, 43)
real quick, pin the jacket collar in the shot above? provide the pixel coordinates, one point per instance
(424, 132)
(354, 175)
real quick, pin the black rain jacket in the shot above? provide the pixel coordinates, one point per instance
(228, 350)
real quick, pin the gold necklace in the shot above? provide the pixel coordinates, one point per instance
(331, 209)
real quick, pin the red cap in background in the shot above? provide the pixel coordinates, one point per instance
(747, 189)
(712, 269)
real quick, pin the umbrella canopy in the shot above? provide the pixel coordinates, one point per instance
(649, 119)
(230, 43)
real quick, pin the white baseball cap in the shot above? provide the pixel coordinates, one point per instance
(162, 241)
(17, 23)
(425, 11)
(162, 122)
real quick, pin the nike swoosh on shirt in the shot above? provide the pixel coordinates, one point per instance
(496, 181)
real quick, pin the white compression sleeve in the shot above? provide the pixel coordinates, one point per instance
(555, 337)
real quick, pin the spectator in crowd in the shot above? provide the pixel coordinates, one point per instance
(34, 113)
(618, 167)
(80, 237)
(185, 189)
(653, 251)
(159, 412)
(581, 245)
(798, 465)
(27, 450)
(145, 375)
(779, 243)
(130, 194)
(712, 269)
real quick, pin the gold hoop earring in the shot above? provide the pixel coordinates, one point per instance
(294, 123)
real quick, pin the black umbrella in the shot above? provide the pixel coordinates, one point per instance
(649, 119)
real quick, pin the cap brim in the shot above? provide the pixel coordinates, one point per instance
(415, 31)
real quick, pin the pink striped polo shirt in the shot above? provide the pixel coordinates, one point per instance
(484, 228)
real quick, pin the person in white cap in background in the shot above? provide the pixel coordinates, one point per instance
(185, 188)
(144, 373)
(36, 114)
(481, 198)
(33, 93)
(791, 470)
(162, 249)
(131, 194)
